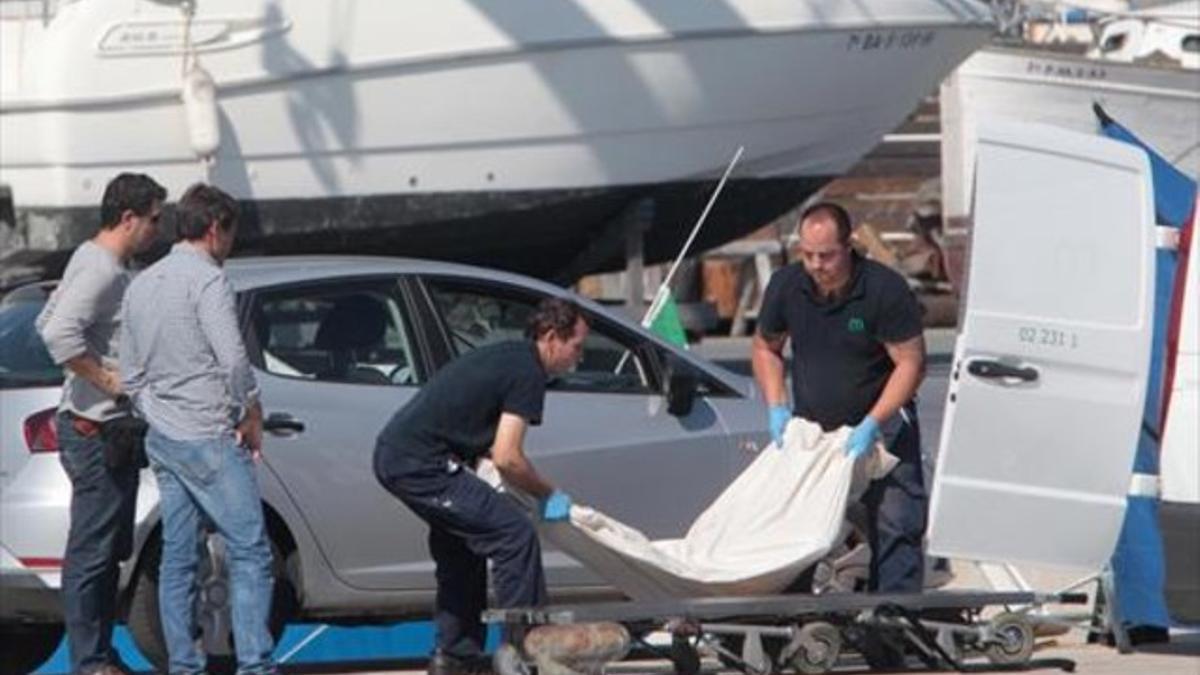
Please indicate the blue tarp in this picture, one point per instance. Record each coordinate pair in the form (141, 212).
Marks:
(1174, 191)
(1138, 561)
(402, 641)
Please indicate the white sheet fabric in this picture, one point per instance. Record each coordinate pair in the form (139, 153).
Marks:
(782, 514)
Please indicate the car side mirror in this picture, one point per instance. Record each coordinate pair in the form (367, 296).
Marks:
(681, 393)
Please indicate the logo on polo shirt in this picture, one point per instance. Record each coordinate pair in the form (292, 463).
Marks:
(856, 325)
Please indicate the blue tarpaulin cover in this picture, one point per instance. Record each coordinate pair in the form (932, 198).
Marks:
(1138, 562)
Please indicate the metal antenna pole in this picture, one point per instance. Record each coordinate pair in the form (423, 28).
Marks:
(663, 288)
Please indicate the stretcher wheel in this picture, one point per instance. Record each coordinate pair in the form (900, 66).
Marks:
(817, 648)
(684, 657)
(1012, 639)
(845, 569)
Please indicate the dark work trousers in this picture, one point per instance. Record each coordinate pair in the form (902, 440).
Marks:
(100, 536)
(470, 523)
(896, 510)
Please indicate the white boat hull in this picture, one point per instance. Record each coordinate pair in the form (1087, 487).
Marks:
(1161, 104)
(383, 100)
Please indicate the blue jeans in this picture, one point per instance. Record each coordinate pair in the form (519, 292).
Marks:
(211, 479)
(100, 536)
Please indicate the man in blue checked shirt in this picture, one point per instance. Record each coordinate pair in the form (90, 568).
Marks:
(185, 367)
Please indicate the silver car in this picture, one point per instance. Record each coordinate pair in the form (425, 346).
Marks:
(641, 429)
(30, 557)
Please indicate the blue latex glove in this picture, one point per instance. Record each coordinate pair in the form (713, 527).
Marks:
(862, 438)
(777, 422)
(556, 507)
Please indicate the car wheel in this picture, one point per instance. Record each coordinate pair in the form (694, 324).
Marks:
(27, 646)
(213, 610)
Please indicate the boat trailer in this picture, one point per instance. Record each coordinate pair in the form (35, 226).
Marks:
(767, 635)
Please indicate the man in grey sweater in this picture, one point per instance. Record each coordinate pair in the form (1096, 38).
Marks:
(79, 326)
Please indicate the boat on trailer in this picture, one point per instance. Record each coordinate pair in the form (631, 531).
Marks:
(1142, 67)
(523, 135)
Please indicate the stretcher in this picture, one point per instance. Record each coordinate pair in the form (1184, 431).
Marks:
(799, 633)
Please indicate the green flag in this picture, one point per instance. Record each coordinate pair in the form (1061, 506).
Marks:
(667, 324)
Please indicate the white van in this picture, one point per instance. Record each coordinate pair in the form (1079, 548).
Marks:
(1048, 381)
(1180, 463)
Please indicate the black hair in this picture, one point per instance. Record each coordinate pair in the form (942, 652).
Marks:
(199, 207)
(840, 216)
(553, 314)
(135, 192)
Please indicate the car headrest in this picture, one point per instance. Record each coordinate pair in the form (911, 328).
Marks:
(355, 321)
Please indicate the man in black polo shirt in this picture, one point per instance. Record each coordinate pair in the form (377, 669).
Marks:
(858, 356)
(479, 405)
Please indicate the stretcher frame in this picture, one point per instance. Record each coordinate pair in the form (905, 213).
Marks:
(805, 633)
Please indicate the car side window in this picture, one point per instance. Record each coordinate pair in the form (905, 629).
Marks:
(479, 317)
(477, 314)
(355, 333)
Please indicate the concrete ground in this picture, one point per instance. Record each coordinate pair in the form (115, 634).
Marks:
(1182, 657)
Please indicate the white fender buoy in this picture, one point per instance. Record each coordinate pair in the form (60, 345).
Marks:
(200, 109)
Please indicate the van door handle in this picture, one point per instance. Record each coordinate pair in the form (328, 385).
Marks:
(281, 424)
(995, 369)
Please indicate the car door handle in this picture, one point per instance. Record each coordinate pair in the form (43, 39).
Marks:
(282, 423)
(995, 369)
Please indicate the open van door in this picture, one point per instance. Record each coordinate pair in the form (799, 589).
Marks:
(1049, 375)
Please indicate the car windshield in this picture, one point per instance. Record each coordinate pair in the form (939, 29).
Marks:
(24, 361)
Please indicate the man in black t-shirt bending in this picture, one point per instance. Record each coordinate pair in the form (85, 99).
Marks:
(858, 356)
(479, 405)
